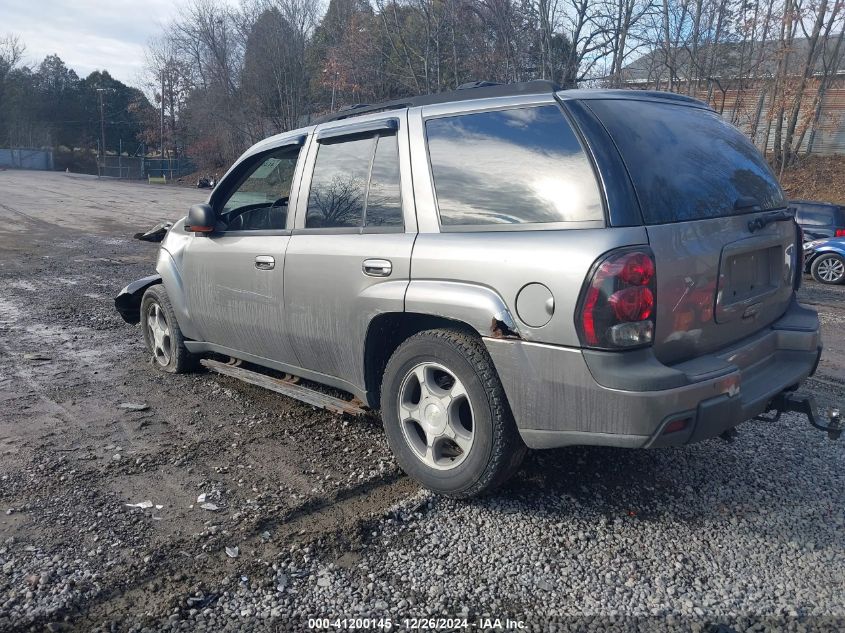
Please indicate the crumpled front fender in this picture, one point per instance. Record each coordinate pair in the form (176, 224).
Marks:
(128, 301)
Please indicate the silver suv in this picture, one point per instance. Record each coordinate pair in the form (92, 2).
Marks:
(498, 268)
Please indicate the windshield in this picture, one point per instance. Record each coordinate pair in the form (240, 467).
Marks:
(686, 163)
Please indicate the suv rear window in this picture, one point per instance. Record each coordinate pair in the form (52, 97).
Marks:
(686, 162)
(518, 166)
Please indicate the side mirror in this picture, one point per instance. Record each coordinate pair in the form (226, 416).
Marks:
(200, 219)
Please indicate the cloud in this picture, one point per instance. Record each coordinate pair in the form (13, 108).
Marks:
(88, 34)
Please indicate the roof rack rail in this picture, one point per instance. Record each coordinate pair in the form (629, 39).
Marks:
(464, 92)
(478, 84)
(354, 106)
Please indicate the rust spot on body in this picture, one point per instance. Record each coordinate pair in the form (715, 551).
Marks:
(500, 329)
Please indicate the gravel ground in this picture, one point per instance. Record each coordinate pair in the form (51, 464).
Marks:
(310, 516)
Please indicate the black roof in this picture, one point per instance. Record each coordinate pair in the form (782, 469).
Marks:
(485, 90)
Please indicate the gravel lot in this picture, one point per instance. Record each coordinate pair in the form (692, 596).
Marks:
(317, 519)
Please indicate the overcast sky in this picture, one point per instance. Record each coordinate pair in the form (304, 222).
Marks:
(88, 34)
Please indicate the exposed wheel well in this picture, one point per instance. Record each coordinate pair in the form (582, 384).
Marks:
(809, 263)
(387, 332)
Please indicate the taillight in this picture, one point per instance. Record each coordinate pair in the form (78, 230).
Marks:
(617, 304)
(839, 233)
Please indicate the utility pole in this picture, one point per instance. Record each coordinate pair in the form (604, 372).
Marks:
(162, 116)
(100, 91)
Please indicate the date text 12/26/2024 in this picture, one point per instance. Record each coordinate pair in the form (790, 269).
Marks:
(416, 624)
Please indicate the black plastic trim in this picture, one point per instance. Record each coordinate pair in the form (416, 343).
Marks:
(128, 301)
(623, 207)
(368, 128)
(256, 233)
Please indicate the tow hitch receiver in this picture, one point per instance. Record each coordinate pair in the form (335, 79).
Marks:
(787, 401)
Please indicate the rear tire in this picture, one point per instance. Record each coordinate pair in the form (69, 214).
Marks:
(446, 416)
(162, 334)
(828, 269)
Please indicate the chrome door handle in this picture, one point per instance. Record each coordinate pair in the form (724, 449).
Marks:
(265, 262)
(377, 267)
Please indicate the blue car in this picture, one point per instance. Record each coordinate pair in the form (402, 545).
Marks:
(825, 260)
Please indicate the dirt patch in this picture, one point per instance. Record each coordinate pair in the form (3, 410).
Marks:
(280, 474)
(816, 178)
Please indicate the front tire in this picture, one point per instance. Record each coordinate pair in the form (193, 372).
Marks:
(162, 334)
(828, 269)
(446, 416)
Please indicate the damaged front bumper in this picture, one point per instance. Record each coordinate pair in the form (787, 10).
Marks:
(128, 301)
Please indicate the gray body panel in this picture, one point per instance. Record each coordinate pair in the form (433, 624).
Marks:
(716, 358)
(696, 312)
(233, 302)
(506, 262)
(170, 266)
(329, 303)
(558, 401)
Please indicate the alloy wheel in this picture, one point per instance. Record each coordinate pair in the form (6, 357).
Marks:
(159, 331)
(831, 269)
(436, 416)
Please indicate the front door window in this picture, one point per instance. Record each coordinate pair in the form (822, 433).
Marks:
(260, 202)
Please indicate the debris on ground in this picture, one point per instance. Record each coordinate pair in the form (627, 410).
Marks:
(36, 356)
(143, 504)
(134, 406)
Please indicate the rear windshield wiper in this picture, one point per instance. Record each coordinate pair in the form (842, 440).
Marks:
(763, 221)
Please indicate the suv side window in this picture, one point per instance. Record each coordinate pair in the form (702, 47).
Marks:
(518, 166)
(339, 184)
(384, 199)
(260, 202)
(356, 184)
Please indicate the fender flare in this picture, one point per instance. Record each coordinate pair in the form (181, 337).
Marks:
(480, 307)
(128, 301)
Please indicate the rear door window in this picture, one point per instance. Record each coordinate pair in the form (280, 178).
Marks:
(517, 166)
(686, 163)
(356, 185)
(339, 184)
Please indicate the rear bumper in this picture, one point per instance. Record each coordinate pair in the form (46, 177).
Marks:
(565, 396)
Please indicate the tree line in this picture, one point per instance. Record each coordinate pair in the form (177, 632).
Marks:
(232, 76)
(224, 76)
(49, 105)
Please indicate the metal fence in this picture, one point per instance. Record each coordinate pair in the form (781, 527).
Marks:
(141, 167)
(25, 158)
